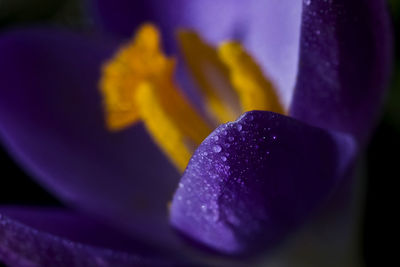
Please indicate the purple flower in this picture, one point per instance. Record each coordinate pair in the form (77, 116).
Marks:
(250, 183)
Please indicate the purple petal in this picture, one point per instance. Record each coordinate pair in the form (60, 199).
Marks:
(53, 237)
(252, 182)
(213, 19)
(51, 120)
(270, 30)
(273, 38)
(344, 65)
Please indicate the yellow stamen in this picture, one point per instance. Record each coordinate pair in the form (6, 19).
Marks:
(211, 75)
(137, 84)
(161, 125)
(254, 90)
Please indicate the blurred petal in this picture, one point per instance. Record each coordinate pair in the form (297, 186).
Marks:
(273, 38)
(56, 237)
(344, 65)
(270, 30)
(252, 182)
(51, 120)
(214, 19)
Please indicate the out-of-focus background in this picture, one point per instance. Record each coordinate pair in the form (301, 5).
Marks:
(379, 229)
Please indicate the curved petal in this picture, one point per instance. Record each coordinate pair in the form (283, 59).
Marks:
(51, 120)
(344, 65)
(53, 237)
(270, 30)
(252, 182)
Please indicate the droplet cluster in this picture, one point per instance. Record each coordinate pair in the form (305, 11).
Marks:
(220, 170)
(245, 176)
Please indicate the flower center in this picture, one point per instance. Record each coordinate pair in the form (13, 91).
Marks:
(138, 84)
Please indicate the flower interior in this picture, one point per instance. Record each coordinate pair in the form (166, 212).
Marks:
(138, 85)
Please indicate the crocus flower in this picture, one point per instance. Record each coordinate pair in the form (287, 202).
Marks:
(250, 184)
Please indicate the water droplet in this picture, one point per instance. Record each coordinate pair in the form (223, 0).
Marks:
(231, 138)
(181, 185)
(224, 132)
(227, 145)
(216, 138)
(204, 208)
(274, 137)
(250, 117)
(307, 2)
(239, 127)
(217, 148)
(223, 158)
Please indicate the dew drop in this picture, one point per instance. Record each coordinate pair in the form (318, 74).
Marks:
(307, 2)
(216, 138)
(217, 148)
(239, 127)
(223, 158)
(231, 138)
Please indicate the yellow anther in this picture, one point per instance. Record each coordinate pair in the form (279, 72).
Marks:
(161, 126)
(137, 84)
(254, 90)
(211, 75)
(192, 125)
(134, 62)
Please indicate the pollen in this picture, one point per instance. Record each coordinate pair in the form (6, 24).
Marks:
(137, 61)
(138, 85)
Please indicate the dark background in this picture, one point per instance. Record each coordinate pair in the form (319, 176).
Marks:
(379, 231)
